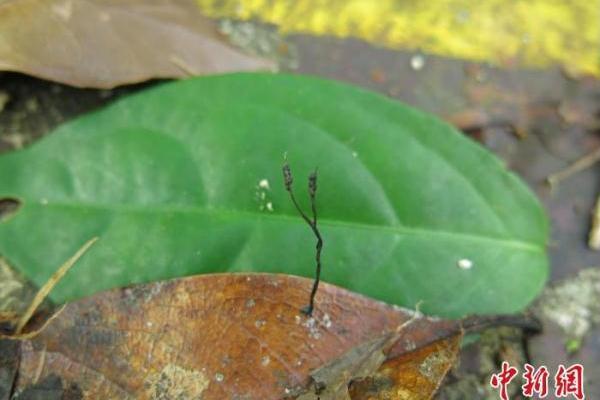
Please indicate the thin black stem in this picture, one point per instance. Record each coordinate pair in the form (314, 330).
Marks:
(304, 216)
(312, 188)
(313, 293)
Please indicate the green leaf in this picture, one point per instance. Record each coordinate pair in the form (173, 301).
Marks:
(170, 181)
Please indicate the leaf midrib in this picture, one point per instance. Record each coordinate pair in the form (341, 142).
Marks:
(401, 230)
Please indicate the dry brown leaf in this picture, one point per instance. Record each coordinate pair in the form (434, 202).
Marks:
(411, 376)
(105, 43)
(229, 336)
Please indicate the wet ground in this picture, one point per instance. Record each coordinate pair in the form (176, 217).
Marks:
(538, 121)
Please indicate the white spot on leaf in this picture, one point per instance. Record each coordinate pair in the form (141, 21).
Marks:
(313, 328)
(264, 184)
(465, 263)
(259, 323)
(326, 321)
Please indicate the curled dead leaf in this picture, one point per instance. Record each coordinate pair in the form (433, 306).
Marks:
(102, 44)
(237, 336)
(414, 375)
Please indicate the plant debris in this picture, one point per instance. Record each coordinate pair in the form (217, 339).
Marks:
(594, 236)
(579, 165)
(261, 40)
(16, 293)
(573, 305)
(41, 295)
(102, 44)
(198, 336)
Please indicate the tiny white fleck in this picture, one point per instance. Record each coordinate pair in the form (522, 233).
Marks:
(263, 184)
(465, 263)
(299, 362)
(417, 62)
(354, 154)
(298, 319)
(43, 201)
(270, 206)
(327, 320)
(287, 391)
(313, 329)
(265, 360)
(219, 377)
(259, 323)
(250, 303)
(149, 324)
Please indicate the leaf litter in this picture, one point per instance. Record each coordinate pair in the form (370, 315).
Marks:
(105, 44)
(371, 353)
(197, 337)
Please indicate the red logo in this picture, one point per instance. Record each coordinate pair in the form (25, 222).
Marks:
(503, 378)
(536, 381)
(567, 381)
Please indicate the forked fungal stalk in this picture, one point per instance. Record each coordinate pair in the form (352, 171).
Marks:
(288, 180)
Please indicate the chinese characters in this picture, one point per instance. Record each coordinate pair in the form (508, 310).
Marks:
(567, 381)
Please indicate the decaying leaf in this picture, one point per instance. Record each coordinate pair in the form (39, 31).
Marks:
(415, 375)
(95, 43)
(236, 336)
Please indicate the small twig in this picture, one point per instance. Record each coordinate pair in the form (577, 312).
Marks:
(40, 367)
(583, 163)
(33, 333)
(476, 324)
(49, 285)
(417, 314)
(594, 237)
(288, 180)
